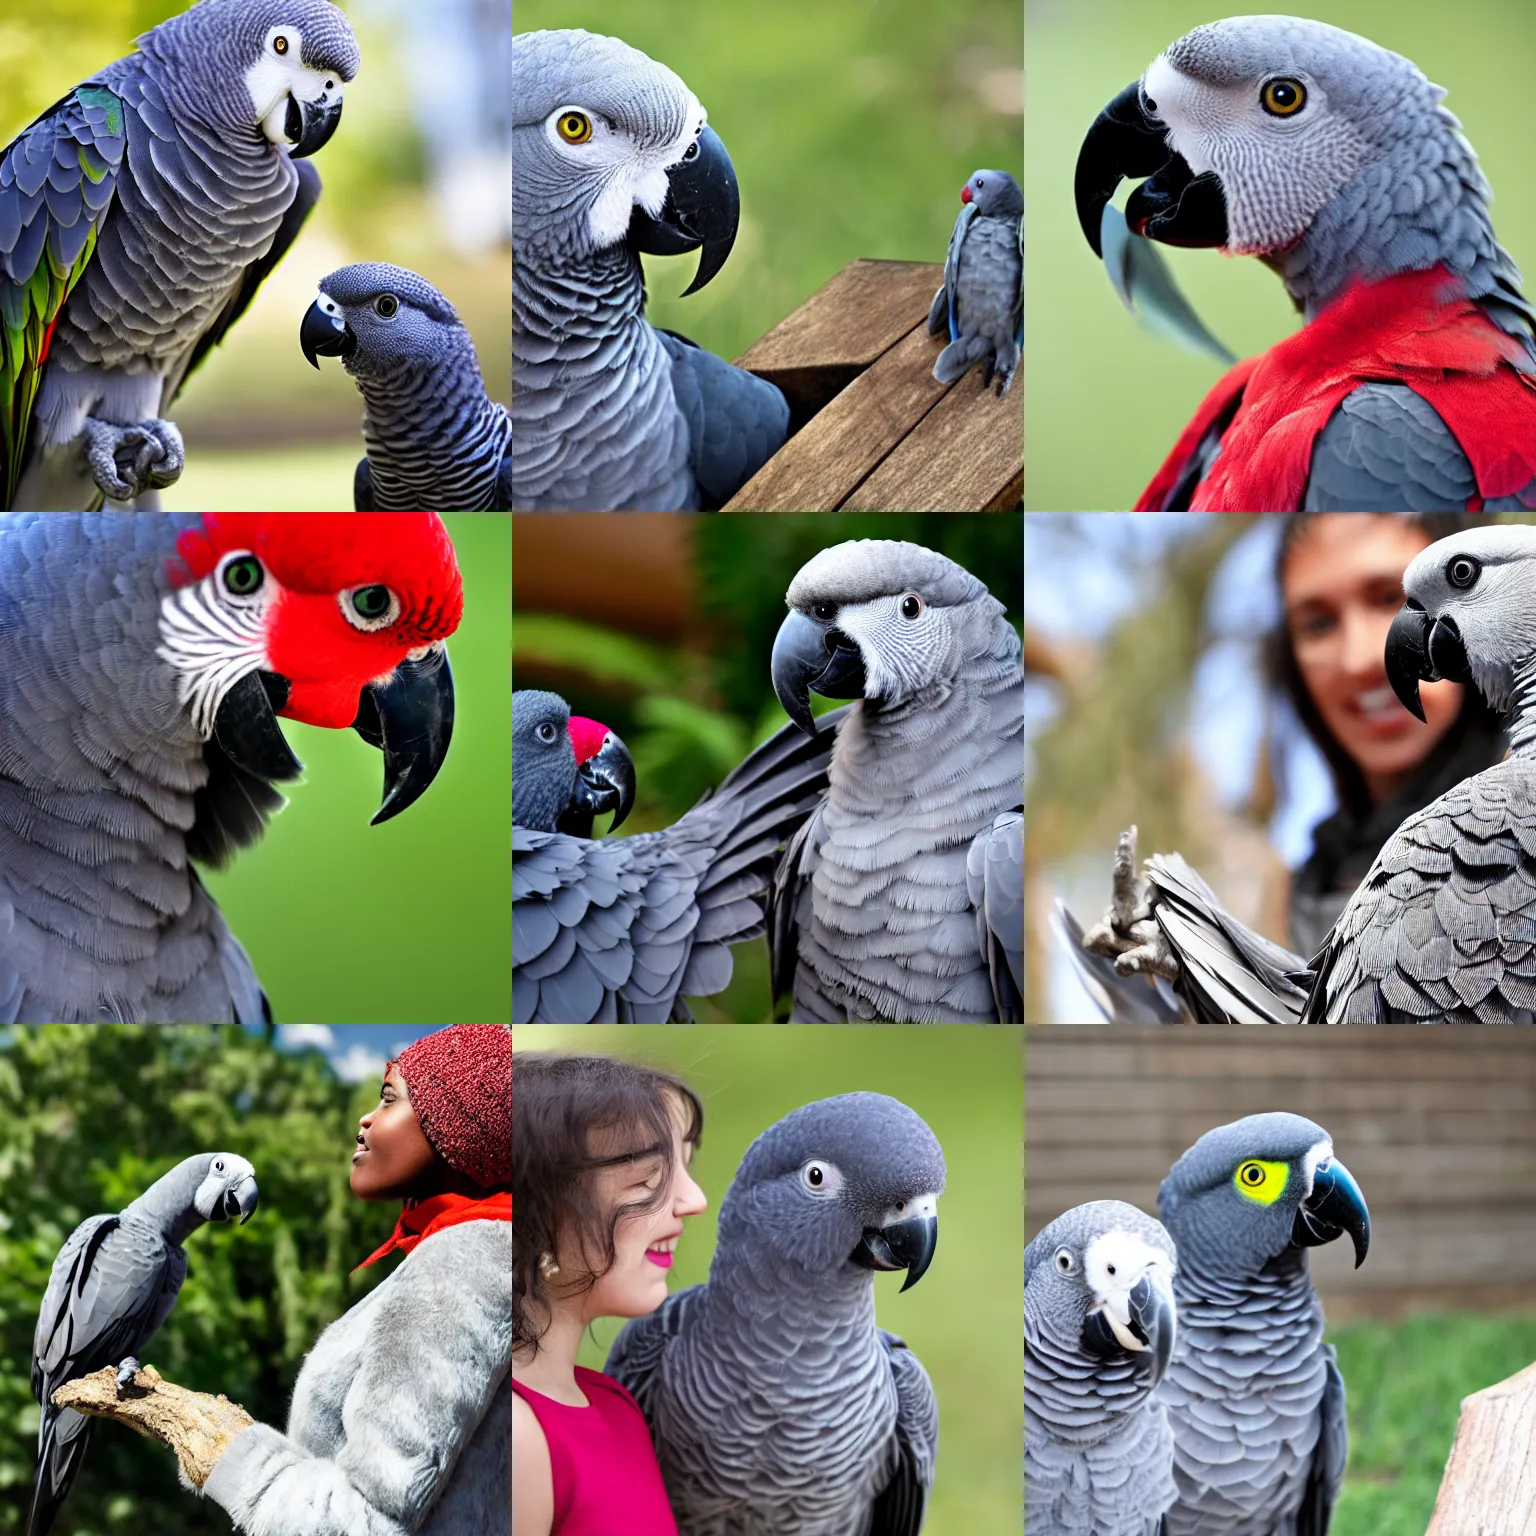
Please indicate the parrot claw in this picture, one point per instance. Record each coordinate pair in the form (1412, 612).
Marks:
(128, 461)
(1149, 955)
(127, 1369)
(1128, 933)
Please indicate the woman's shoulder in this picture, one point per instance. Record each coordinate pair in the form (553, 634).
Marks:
(595, 1385)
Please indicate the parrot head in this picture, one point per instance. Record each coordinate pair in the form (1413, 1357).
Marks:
(1470, 616)
(1248, 1192)
(994, 195)
(228, 1188)
(610, 148)
(566, 769)
(333, 619)
(1247, 132)
(849, 1181)
(291, 59)
(381, 320)
(883, 621)
(1100, 1279)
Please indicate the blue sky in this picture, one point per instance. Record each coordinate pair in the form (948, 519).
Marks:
(357, 1051)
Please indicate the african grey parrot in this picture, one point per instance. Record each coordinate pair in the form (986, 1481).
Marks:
(1099, 1328)
(145, 662)
(113, 1284)
(980, 304)
(1254, 1396)
(138, 217)
(611, 156)
(436, 442)
(1443, 927)
(1334, 161)
(902, 897)
(777, 1406)
(622, 929)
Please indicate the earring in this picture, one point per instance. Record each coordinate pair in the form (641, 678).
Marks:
(547, 1266)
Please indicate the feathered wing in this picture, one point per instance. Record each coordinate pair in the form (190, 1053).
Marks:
(635, 1357)
(994, 883)
(1326, 1474)
(57, 181)
(900, 1505)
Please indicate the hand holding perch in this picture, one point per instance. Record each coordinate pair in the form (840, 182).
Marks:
(197, 1426)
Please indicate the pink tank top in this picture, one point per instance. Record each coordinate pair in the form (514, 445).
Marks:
(603, 1464)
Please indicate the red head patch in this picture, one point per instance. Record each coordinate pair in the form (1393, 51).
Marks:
(586, 737)
(965, 193)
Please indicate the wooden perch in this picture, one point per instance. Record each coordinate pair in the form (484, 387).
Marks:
(199, 1428)
(1489, 1487)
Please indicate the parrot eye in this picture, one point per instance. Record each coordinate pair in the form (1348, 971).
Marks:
(279, 44)
(574, 127)
(545, 733)
(826, 612)
(218, 1165)
(243, 575)
(1065, 1261)
(386, 306)
(912, 606)
(1283, 98)
(1463, 572)
(821, 1178)
(370, 608)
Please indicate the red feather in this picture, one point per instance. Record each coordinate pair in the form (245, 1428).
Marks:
(587, 737)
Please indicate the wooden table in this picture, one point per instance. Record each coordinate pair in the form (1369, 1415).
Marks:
(873, 429)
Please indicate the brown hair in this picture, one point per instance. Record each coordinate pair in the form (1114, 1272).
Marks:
(558, 1103)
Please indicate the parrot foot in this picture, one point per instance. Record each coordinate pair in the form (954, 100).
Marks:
(1128, 933)
(127, 461)
(127, 1368)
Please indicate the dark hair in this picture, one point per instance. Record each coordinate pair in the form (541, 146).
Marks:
(559, 1102)
(1285, 674)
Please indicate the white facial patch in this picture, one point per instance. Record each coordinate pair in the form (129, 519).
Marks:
(631, 177)
(926, 1206)
(899, 654)
(1114, 1263)
(1315, 1155)
(280, 73)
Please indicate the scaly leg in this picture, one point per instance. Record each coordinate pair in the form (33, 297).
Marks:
(126, 461)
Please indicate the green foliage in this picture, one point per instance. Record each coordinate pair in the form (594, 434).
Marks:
(1406, 1383)
(90, 1115)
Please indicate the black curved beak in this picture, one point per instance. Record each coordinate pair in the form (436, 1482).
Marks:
(908, 1245)
(410, 719)
(1334, 1207)
(245, 727)
(813, 657)
(325, 335)
(1172, 204)
(309, 125)
(605, 782)
(1151, 1319)
(703, 208)
(241, 1201)
(1423, 650)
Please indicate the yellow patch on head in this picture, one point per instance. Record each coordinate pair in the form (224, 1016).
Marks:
(1262, 1182)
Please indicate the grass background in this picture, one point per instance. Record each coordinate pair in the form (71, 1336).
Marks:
(407, 922)
(965, 1320)
(1106, 400)
(852, 124)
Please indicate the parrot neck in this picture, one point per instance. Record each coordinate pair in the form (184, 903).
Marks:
(1057, 1376)
(748, 1280)
(1522, 713)
(167, 1204)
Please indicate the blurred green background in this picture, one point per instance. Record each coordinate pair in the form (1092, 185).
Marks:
(852, 124)
(1107, 400)
(408, 921)
(90, 1116)
(964, 1321)
(417, 175)
(662, 628)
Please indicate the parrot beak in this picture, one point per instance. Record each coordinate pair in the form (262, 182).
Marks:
(1334, 1207)
(703, 208)
(604, 782)
(246, 728)
(1139, 1321)
(241, 1200)
(324, 333)
(310, 125)
(1423, 650)
(1172, 205)
(410, 719)
(908, 1242)
(809, 657)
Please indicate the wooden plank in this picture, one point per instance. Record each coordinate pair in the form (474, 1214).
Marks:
(1489, 1487)
(966, 453)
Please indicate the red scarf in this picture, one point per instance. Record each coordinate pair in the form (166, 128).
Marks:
(421, 1218)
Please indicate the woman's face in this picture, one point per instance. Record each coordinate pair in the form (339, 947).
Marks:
(1342, 587)
(393, 1158)
(643, 1245)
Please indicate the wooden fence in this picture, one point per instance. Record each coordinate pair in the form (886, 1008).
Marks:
(1438, 1124)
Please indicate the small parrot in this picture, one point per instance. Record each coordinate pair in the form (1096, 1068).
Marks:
(980, 305)
(436, 442)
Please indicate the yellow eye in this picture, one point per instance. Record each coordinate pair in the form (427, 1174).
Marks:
(574, 127)
(1262, 1182)
(279, 44)
(1283, 98)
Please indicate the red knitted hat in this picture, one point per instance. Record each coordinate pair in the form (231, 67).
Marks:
(460, 1080)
